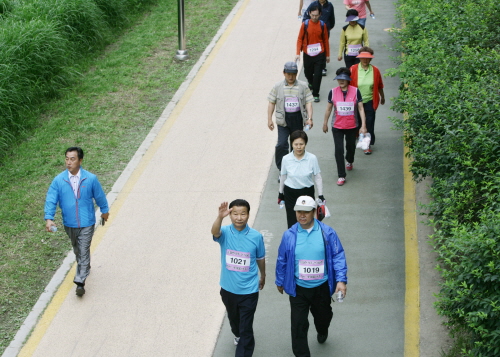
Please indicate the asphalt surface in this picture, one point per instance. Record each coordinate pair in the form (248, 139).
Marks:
(367, 213)
(153, 290)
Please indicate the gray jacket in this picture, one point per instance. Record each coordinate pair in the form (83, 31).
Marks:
(280, 101)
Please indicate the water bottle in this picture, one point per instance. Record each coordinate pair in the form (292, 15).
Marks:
(372, 16)
(53, 228)
(307, 127)
(282, 204)
(340, 297)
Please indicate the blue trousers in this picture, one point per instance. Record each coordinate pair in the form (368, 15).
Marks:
(240, 312)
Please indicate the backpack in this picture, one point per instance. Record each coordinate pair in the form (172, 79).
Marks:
(306, 23)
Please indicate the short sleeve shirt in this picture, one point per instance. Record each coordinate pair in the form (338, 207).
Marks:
(300, 172)
(359, 5)
(310, 255)
(240, 251)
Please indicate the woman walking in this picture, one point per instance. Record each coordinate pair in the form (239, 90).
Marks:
(299, 171)
(368, 80)
(348, 104)
(352, 38)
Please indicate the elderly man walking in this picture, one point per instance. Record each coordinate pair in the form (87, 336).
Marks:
(75, 190)
(292, 101)
(310, 268)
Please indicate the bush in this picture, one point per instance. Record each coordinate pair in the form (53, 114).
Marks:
(41, 44)
(450, 75)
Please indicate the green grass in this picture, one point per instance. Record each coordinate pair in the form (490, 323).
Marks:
(108, 113)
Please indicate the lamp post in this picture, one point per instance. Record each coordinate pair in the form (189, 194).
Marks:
(182, 54)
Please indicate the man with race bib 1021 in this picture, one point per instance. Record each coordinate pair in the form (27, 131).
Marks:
(242, 256)
(310, 268)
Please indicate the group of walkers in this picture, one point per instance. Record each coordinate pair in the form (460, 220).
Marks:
(311, 265)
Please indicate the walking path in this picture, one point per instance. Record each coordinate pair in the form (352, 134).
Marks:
(154, 290)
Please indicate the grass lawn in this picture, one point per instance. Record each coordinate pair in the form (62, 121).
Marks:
(108, 113)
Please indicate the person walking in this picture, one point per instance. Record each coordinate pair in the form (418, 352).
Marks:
(352, 37)
(75, 190)
(292, 101)
(299, 171)
(348, 104)
(303, 5)
(360, 6)
(311, 267)
(327, 16)
(368, 80)
(242, 256)
(313, 42)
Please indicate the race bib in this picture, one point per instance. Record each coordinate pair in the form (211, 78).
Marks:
(345, 108)
(292, 104)
(353, 50)
(237, 261)
(311, 269)
(314, 50)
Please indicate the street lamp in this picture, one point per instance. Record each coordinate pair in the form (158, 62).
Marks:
(182, 54)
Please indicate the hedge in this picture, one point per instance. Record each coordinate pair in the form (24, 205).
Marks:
(41, 45)
(450, 74)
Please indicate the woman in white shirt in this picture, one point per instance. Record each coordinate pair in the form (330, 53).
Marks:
(299, 172)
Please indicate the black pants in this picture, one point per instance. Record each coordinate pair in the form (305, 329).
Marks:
(312, 70)
(370, 119)
(318, 300)
(350, 147)
(294, 121)
(350, 61)
(240, 312)
(291, 195)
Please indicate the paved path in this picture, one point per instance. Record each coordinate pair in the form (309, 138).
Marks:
(154, 290)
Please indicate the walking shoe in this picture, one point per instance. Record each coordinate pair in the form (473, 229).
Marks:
(368, 151)
(348, 166)
(316, 99)
(236, 340)
(323, 72)
(341, 181)
(310, 86)
(322, 338)
(80, 290)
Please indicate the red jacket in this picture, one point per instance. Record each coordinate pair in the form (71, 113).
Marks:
(377, 83)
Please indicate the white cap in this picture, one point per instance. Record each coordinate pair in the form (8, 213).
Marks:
(305, 203)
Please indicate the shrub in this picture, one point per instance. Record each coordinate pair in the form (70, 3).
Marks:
(450, 75)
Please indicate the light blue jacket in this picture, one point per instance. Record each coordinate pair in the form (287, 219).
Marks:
(335, 259)
(77, 211)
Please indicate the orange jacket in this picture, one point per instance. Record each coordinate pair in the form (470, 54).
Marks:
(313, 36)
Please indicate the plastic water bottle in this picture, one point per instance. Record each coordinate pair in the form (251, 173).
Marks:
(282, 204)
(53, 228)
(300, 18)
(372, 16)
(307, 127)
(340, 297)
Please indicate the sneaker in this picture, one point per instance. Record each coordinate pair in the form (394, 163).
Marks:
(368, 151)
(323, 72)
(348, 166)
(236, 340)
(341, 181)
(316, 99)
(322, 338)
(310, 86)
(80, 290)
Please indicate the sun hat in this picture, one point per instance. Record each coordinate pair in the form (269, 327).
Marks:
(365, 55)
(351, 18)
(291, 67)
(305, 203)
(343, 76)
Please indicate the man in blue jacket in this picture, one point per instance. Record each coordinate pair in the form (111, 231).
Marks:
(75, 190)
(327, 16)
(310, 268)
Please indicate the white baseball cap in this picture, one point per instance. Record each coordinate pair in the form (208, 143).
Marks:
(305, 203)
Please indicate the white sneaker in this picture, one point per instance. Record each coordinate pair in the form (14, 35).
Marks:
(236, 340)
